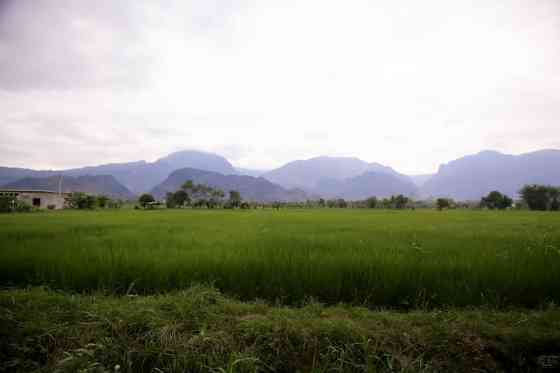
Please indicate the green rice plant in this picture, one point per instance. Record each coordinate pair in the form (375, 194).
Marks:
(404, 259)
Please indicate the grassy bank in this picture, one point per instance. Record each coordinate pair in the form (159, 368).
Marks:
(199, 330)
(362, 257)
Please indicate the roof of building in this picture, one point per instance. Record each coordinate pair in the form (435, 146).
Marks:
(29, 191)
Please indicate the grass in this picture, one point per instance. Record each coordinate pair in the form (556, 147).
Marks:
(401, 259)
(200, 330)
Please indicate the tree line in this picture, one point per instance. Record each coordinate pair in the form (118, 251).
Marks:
(532, 197)
(84, 201)
(197, 196)
(76, 200)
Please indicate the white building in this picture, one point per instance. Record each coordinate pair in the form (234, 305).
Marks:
(42, 199)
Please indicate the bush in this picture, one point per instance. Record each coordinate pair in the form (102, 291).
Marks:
(51, 207)
(82, 201)
(114, 204)
(541, 197)
(371, 202)
(145, 199)
(444, 203)
(6, 203)
(496, 200)
(21, 206)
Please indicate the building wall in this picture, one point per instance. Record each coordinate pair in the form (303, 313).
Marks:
(44, 199)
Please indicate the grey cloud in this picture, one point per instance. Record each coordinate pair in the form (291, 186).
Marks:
(64, 44)
(68, 44)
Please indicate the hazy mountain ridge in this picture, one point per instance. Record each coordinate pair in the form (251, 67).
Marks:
(466, 178)
(473, 176)
(251, 188)
(250, 171)
(420, 180)
(139, 176)
(309, 173)
(368, 184)
(99, 185)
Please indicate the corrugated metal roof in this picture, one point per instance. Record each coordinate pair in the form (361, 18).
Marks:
(29, 191)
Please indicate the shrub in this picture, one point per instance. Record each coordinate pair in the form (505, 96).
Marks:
(6, 203)
(79, 200)
(371, 202)
(443, 203)
(145, 199)
(496, 200)
(21, 206)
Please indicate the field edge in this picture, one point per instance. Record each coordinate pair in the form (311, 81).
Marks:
(201, 330)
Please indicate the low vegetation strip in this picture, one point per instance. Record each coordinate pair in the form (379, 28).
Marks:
(200, 330)
(401, 259)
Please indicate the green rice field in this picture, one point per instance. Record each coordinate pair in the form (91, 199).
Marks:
(374, 258)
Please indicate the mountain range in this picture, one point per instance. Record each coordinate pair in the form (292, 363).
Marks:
(251, 188)
(138, 177)
(100, 185)
(466, 178)
(470, 177)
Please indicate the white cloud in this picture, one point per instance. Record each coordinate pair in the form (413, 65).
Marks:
(409, 84)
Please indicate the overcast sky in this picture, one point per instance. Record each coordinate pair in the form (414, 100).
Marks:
(409, 83)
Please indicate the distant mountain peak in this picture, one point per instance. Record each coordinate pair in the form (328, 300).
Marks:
(98, 184)
(251, 188)
(473, 176)
(139, 176)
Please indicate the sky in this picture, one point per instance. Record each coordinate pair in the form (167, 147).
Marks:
(410, 84)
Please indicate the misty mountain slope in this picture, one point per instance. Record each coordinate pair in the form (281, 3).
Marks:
(308, 173)
(250, 172)
(99, 185)
(251, 188)
(196, 159)
(473, 176)
(420, 180)
(12, 174)
(138, 177)
(366, 185)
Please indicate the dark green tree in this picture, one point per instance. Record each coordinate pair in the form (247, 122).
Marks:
(341, 203)
(187, 185)
(82, 201)
(371, 202)
(496, 200)
(399, 202)
(145, 200)
(443, 203)
(234, 198)
(102, 201)
(7, 203)
(554, 194)
(537, 197)
(216, 198)
(181, 198)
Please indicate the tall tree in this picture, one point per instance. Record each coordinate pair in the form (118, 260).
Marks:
(537, 197)
(234, 198)
(145, 199)
(371, 202)
(496, 200)
(554, 194)
(443, 203)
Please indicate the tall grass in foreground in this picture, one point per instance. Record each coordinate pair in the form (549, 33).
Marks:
(385, 258)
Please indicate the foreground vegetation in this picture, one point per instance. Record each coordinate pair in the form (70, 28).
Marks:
(399, 259)
(199, 330)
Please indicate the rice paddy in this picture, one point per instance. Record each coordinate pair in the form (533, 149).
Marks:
(374, 258)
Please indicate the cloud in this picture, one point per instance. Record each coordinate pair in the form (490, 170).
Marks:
(410, 84)
(50, 45)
